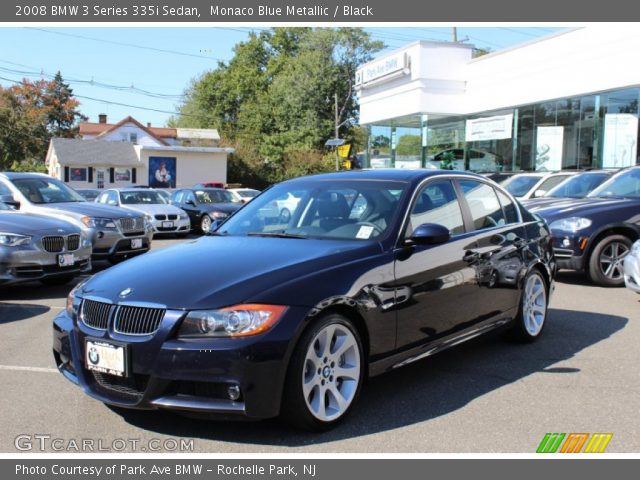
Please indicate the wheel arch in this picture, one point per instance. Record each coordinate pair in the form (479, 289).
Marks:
(628, 230)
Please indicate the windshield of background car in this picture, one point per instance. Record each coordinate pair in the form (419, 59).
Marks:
(214, 196)
(146, 197)
(351, 210)
(625, 184)
(46, 190)
(519, 186)
(577, 186)
(247, 193)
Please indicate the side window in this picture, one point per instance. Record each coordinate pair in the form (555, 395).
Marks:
(486, 211)
(102, 198)
(510, 209)
(189, 197)
(4, 190)
(177, 197)
(112, 198)
(437, 203)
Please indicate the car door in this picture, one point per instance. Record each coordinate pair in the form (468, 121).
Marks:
(190, 205)
(495, 250)
(437, 282)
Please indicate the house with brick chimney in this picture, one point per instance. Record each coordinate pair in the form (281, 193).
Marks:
(108, 155)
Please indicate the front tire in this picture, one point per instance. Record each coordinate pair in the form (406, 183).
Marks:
(205, 224)
(325, 375)
(532, 313)
(605, 263)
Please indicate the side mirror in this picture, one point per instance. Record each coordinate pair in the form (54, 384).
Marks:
(9, 200)
(430, 234)
(539, 193)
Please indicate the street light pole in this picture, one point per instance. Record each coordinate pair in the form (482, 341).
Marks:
(335, 98)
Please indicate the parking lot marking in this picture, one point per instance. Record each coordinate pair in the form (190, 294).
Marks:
(17, 368)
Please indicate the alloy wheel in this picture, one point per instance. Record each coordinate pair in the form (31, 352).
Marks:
(205, 224)
(331, 372)
(534, 308)
(611, 260)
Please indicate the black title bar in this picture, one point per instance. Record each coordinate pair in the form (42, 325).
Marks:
(309, 11)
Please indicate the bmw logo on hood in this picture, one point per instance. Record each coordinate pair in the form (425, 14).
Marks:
(126, 292)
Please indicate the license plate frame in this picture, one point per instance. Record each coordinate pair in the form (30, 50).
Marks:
(136, 243)
(66, 259)
(168, 224)
(108, 357)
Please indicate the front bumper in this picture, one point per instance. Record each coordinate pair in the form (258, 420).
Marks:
(187, 375)
(171, 226)
(569, 250)
(20, 264)
(632, 272)
(114, 244)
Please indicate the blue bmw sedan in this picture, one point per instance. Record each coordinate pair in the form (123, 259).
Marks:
(266, 316)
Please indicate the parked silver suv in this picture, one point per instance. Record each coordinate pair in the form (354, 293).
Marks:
(115, 233)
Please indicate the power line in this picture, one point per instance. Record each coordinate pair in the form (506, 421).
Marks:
(124, 44)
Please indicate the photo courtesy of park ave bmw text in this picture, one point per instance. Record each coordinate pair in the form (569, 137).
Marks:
(297, 239)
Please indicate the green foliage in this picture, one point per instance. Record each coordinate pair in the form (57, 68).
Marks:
(447, 161)
(274, 101)
(30, 114)
(409, 145)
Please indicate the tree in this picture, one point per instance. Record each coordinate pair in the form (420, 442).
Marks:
(274, 101)
(31, 112)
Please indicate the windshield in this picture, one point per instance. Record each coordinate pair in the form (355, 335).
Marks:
(146, 197)
(625, 184)
(577, 186)
(352, 210)
(46, 190)
(215, 196)
(247, 193)
(518, 186)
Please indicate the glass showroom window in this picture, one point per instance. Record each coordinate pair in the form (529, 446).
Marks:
(409, 147)
(380, 146)
(619, 128)
(445, 142)
(489, 141)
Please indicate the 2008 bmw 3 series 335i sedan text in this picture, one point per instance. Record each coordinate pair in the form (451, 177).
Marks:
(372, 270)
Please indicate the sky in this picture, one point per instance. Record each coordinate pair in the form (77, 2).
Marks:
(144, 71)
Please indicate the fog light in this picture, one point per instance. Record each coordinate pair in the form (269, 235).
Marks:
(234, 392)
(566, 243)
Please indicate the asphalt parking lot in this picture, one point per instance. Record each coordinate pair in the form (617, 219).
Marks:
(487, 396)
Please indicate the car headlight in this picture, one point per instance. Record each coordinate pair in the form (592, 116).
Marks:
(635, 249)
(184, 216)
(571, 224)
(236, 321)
(219, 215)
(14, 240)
(148, 221)
(73, 300)
(99, 222)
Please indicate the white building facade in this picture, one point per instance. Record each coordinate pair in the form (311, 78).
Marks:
(566, 101)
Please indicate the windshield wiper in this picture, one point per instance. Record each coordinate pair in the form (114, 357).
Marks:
(276, 235)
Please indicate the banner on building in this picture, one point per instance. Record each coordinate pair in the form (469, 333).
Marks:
(620, 140)
(499, 127)
(549, 144)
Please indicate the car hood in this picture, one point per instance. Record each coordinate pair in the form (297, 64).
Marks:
(214, 272)
(534, 204)
(220, 207)
(33, 224)
(155, 209)
(91, 209)
(617, 209)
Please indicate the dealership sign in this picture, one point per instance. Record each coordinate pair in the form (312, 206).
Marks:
(498, 127)
(383, 69)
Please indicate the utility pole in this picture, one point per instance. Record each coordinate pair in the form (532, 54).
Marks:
(337, 123)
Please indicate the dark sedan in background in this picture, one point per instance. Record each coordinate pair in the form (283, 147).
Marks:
(595, 233)
(35, 247)
(373, 270)
(204, 205)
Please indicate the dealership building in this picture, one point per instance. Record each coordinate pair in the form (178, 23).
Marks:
(562, 102)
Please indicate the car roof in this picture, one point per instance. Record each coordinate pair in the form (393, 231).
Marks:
(388, 174)
(16, 175)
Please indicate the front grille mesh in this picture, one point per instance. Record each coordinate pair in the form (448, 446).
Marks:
(73, 242)
(131, 224)
(129, 388)
(53, 244)
(138, 320)
(95, 314)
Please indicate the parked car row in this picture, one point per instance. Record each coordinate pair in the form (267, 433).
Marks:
(51, 233)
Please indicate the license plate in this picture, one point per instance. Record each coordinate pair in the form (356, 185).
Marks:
(136, 243)
(167, 224)
(105, 358)
(66, 259)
